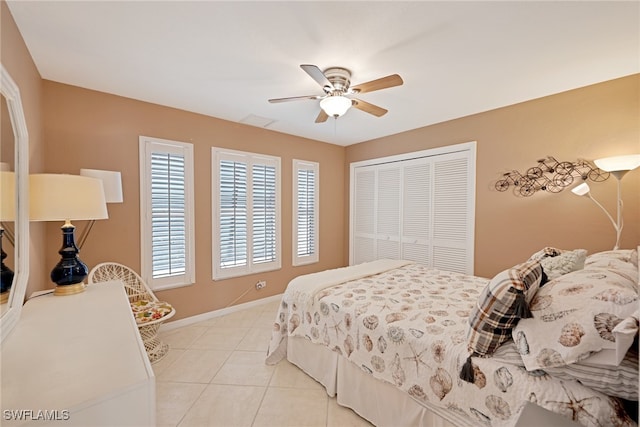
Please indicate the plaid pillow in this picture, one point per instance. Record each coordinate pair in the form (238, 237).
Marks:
(501, 304)
(545, 252)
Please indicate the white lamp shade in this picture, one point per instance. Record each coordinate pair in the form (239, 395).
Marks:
(581, 189)
(7, 196)
(111, 181)
(59, 197)
(618, 163)
(335, 106)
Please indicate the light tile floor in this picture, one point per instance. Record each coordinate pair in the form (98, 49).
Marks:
(215, 375)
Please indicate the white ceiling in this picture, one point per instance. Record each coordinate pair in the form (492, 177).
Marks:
(225, 59)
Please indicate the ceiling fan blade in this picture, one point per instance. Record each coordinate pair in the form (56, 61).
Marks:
(381, 83)
(369, 108)
(322, 117)
(295, 98)
(317, 75)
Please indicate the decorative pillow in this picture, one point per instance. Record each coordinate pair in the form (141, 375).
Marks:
(574, 317)
(147, 311)
(622, 261)
(624, 255)
(556, 262)
(624, 333)
(564, 263)
(502, 303)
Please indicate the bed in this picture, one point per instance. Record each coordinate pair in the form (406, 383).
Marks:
(403, 344)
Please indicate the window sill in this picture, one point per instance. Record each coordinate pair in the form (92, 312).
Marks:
(170, 286)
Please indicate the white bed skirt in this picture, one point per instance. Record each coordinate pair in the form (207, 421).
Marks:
(379, 402)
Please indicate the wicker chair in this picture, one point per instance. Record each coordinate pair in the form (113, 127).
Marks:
(148, 311)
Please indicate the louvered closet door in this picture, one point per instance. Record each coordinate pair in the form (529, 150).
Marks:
(378, 210)
(388, 211)
(418, 209)
(363, 234)
(452, 213)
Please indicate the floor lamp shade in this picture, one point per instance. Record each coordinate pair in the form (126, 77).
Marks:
(7, 213)
(619, 163)
(58, 197)
(618, 166)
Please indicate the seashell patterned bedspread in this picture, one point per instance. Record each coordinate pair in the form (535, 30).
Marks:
(407, 326)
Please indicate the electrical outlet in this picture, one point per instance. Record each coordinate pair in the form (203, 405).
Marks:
(261, 284)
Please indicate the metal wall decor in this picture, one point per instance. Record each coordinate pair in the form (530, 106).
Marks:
(549, 175)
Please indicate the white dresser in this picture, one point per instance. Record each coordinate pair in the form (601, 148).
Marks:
(77, 360)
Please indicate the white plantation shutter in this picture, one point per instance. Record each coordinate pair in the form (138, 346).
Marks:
(305, 212)
(418, 207)
(233, 209)
(166, 200)
(246, 213)
(264, 214)
(168, 224)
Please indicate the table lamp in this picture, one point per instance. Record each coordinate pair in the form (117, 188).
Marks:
(112, 184)
(7, 213)
(59, 197)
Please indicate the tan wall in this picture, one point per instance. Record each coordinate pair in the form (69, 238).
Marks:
(88, 129)
(18, 62)
(592, 122)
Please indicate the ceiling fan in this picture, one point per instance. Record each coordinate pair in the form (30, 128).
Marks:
(336, 83)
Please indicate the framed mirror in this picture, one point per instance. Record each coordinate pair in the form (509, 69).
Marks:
(18, 141)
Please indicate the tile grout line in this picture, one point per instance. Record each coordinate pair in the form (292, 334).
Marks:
(191, 406)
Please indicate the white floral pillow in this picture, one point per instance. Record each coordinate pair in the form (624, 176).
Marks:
(574, 317)
(624, 255)
(622, 261)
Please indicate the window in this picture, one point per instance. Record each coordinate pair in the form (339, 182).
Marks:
(246, 213)
(166, 206)
(305, 212)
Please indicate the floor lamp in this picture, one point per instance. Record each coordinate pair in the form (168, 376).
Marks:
(618, 166)
(58, 197)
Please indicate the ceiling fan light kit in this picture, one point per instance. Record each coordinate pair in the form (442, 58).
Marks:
(335, 106)
(336, 84)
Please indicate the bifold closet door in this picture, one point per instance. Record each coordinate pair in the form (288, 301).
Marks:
(417, 209)
(453, 203)
(417, 193)
(363, 215)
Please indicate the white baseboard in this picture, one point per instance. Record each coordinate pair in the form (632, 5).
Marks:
(217, 313)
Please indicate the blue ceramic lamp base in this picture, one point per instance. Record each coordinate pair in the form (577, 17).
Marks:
(69, 273)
